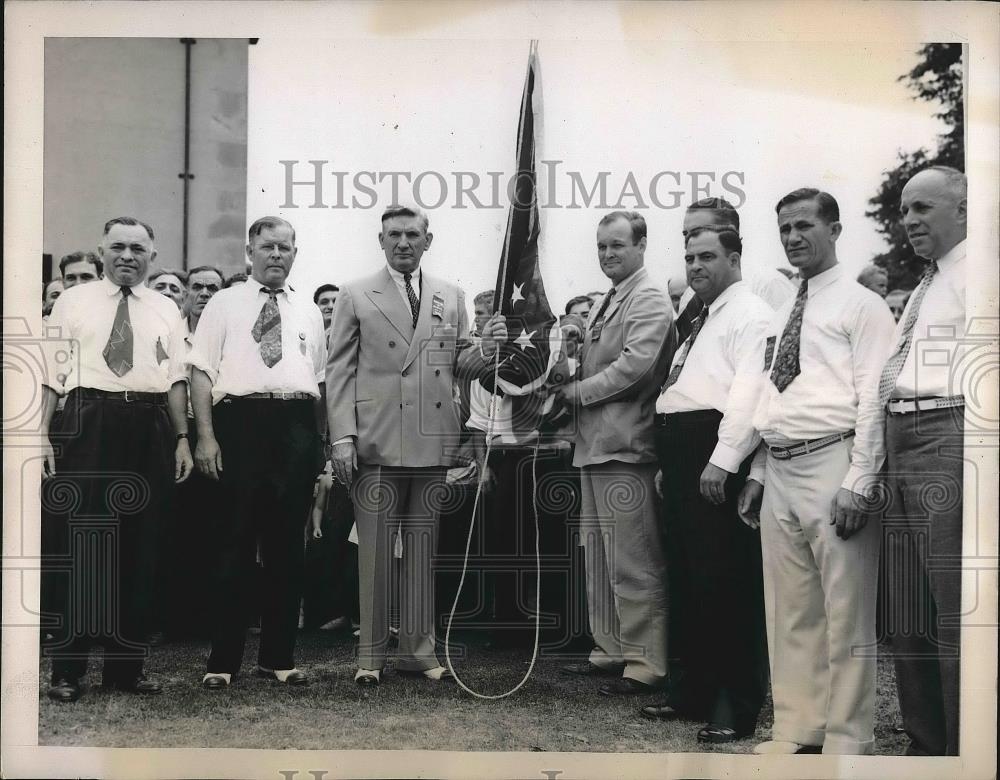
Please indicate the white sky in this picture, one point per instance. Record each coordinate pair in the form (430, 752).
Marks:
(786, 115)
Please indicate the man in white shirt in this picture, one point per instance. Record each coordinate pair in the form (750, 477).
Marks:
(257, 390)
(115, 439)
(822, 356)
(705, 440)
(922, 393)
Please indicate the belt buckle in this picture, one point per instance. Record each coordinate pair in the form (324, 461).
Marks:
(781, 453)
(284, 396)
(127, 399)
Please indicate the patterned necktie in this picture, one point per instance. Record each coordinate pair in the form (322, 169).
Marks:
(675, 372)
(894, 365)
(599, 317)
(414, 302)
(118, 351)
(786, 364)
(685, 320)
(267, 330)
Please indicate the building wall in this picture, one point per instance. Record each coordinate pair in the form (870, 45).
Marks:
(114, 144)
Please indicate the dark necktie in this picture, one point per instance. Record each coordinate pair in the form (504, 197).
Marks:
(118, 351)
(267, 329)
(414, 301)
(675, 372)
(894, 366)
(786, 364)
(685, 320)
(598, 320)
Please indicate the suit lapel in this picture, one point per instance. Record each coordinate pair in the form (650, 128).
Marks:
(425, 322)
(386, 298)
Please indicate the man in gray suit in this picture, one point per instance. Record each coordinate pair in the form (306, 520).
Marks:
(394, 339)
(626, 350)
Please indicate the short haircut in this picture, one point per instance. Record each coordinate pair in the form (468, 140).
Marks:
(322, 289)
(202, 269)
(577, 299)
(128, 221)
(728, 237)
(635, 220)
(81, 256)
(181, 276)
(957, 181)
(870, 271)
(49, 283)
(395, 210)
(723, 212)
(270, 223)
(826, 205)
(486, 296)
(239, 276)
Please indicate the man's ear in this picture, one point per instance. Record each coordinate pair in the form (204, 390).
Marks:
(962, 210)
(642, 244)
(152, 256)
(835, 230)
(381, 240)
(427, 243)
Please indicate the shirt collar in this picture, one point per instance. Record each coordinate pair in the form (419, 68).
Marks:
(953, 255)
(140, 290)
(630, 281)
(397, 277)
(724, 297)
(829, 276)
(256, 287)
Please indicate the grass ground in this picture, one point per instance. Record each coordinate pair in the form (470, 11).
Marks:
(552, 712)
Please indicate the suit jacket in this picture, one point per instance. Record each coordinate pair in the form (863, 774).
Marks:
(622, 373)
(389, 384)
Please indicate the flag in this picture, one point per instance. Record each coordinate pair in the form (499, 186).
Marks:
(532, 355)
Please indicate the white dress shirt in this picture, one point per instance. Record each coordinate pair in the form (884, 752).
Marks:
(769, 285)
(78, 331)
(846, 332)
(722, 371)
(938, 334)
(400, 283)
(225, 350)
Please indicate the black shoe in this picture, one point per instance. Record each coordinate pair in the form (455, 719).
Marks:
(63, 690)
(715, 734)
(625, 686)
(588, 669)
(660, 711)
(139, 684)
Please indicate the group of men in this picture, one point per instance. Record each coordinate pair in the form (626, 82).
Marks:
(761, 414)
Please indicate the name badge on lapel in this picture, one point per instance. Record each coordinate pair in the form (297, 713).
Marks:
(302, 343)
(769, 352)
(437, 307)
(595, 331)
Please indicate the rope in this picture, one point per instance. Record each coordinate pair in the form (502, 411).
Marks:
(468, 543)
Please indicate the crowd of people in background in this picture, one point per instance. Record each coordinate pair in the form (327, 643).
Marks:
(722, 443)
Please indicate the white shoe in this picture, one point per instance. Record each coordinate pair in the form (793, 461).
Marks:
(780, 748)
(368, 677)
(438, 673)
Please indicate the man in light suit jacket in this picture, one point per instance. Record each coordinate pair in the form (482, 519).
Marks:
(394, 427)
(626, 351)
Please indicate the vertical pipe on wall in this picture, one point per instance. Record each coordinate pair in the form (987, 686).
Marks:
(186, 175)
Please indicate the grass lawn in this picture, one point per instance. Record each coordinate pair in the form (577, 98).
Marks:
(552, 712)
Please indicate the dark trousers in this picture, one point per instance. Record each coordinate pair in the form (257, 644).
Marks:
(270, 457)
(923, 541)
(717, 559)
(331, 586)
(113, 466)
(530, 485)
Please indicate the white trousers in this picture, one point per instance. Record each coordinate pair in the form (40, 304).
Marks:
(819, 594)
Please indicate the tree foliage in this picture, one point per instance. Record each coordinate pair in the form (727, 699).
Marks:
(936, 78)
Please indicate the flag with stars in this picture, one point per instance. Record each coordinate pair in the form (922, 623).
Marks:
(532, 356)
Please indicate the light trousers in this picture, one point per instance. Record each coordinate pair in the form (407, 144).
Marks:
(819, 596)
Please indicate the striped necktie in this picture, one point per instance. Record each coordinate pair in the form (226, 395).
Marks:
(685, 320)
(786, 364)
(894, 365)
(267, 329)
(675, 372)
(412, 296)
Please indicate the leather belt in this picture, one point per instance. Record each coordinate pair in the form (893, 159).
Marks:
(910, 405)
(794, 450)
(127, 396)
(296, 396)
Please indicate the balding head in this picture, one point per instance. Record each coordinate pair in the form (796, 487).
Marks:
(934, 208)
